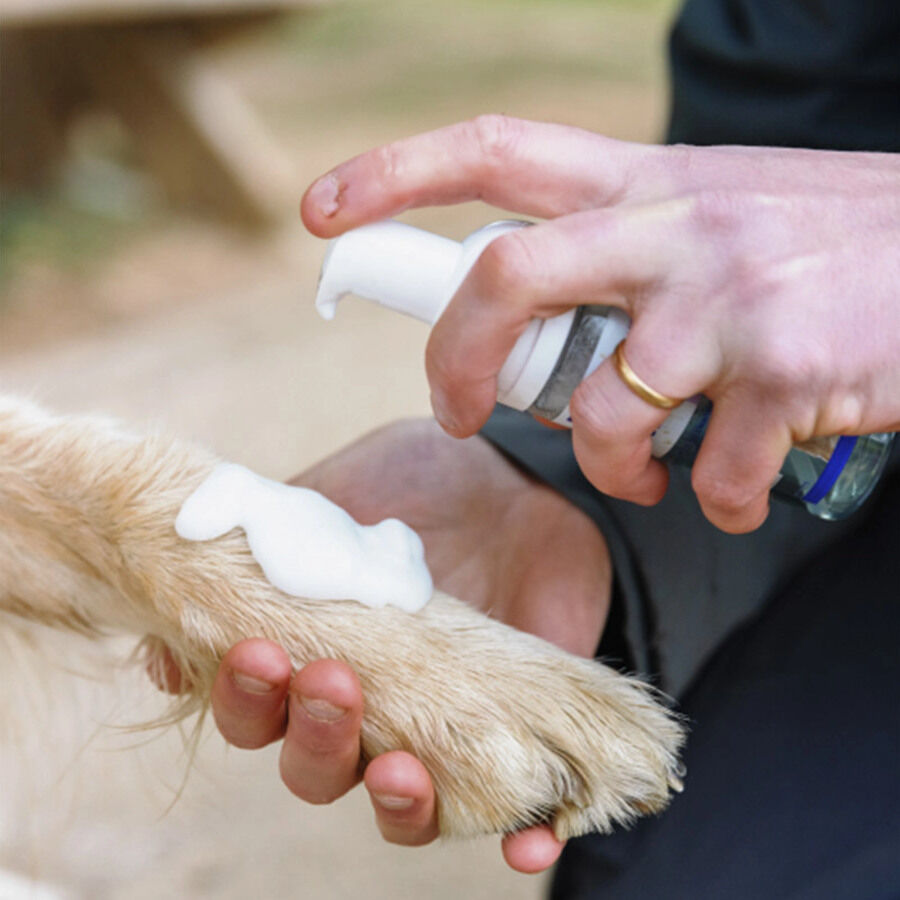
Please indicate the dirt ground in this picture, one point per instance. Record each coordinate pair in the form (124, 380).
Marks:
(125, 306)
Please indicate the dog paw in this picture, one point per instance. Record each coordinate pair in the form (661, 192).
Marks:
(515, 731)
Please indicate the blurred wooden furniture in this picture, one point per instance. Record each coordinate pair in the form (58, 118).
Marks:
(144, 60)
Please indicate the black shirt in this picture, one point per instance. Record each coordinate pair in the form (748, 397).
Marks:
(822, 74)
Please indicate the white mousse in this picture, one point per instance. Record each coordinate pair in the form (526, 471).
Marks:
(308, 546)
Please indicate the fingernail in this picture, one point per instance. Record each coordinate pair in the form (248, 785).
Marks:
(322, 710)
(250, 684)
(393, 803)
(325, 195)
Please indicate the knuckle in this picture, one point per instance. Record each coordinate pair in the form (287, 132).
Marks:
(753, 288)
(845, 415)
(716, 212)
(680, 162)
(773, 357)
(788, 367)
(391, 161)
(506, 266)
(727, 496)
(496, 137)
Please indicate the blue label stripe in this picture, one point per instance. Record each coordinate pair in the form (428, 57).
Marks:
(832, 470)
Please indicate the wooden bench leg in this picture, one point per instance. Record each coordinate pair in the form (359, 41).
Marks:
(192, 128)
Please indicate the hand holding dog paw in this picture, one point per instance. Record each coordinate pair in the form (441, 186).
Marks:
(493, 537)
(318, 713)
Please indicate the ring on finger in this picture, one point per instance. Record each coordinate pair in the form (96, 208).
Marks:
(638, 386)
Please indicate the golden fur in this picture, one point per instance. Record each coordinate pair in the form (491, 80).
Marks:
(512, 729)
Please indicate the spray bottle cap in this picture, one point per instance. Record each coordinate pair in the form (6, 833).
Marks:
(417, 273)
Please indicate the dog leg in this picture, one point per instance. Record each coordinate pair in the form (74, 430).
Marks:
(512, 729)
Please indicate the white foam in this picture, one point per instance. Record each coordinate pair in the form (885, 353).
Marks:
(308, 546)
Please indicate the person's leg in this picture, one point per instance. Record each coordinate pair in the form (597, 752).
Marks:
(793, 782)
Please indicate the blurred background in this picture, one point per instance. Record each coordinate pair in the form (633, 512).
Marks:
(153, 266)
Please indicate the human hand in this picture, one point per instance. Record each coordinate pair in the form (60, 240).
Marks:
(492, 536)
(763, 278)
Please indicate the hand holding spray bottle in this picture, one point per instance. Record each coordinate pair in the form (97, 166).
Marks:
(417, 273)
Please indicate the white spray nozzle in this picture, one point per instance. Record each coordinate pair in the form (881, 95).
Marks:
(417, 273)
(401, 267)
(396, 265)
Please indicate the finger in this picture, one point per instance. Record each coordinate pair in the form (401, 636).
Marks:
(617, 257)
(248, 695)
(533, 168)
(403, 799)
(669, 351)
(532, 850)
(742, 452)
(611, 438)
(548, 170)
(320, 757)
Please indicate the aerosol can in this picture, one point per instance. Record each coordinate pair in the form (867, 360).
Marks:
(416, 273)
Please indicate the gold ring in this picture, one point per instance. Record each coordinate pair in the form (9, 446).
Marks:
(639, 387)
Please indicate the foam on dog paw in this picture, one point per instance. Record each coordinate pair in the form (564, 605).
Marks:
(308, 546)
